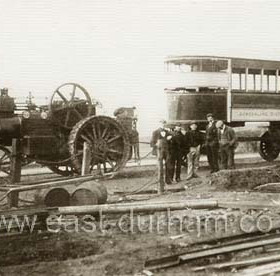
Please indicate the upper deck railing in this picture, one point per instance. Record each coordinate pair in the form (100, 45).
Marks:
(246, 75)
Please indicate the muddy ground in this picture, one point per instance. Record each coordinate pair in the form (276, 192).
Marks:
(111, 248)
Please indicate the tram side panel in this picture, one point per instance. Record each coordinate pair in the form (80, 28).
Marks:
(255, 107)
(183, 107)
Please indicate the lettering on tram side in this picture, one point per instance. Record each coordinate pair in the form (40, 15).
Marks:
(255, 114)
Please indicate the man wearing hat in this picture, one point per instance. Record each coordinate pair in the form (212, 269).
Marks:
(176, 153)
(228, 142)
(212, 143)
(161, 144)
(195, 139)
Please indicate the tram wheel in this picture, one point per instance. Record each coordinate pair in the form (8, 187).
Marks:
(269, 150)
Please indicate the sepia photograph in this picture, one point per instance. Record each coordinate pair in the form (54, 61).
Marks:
(139, 137)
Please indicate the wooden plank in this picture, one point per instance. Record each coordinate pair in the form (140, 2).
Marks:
(12, 199)
(227, 249)
(15, 172)
(246, 205)
(267, 269)
(126, 208)
(238, 264)
(86, 159)
(15, 161)
(269, 187)
(71, 181)
(168, 261)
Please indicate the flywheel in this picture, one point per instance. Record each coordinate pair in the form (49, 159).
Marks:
(108, 142)
(69, 104)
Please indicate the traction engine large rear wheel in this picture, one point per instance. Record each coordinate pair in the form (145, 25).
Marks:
(107, 140)
(269, 149)
(5, 160)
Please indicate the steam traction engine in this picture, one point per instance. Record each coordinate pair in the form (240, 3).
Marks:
(55, 135)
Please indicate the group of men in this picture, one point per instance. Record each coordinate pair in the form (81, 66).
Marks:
(171, 145)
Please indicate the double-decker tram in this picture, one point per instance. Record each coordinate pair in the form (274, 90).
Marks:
(235, 90)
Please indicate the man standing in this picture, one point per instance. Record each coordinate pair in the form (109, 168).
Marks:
(161, 140)
(185, 144)
(176, 154)
(212, 144)
(227, 141)
(195, 139)
(134, 140)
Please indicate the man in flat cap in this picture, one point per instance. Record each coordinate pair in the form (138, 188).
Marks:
(212, 143)
(195, 139)
(161, 143)
(228, 142)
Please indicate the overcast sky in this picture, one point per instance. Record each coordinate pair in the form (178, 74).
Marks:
(116, 48)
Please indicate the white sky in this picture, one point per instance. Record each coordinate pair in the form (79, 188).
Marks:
(116, 48)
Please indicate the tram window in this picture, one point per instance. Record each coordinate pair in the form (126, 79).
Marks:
(178, 68)
(208, 65)
(185, 68)
(250, 83)
(238, 82)
(269, 82)
(258, 83)
(253, 82)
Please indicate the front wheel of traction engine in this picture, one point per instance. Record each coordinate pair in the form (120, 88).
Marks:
(108, 143)
(269, 146)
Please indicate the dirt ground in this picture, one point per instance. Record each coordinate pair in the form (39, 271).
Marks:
(111, 249)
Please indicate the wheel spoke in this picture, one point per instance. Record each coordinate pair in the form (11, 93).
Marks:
(104, 132)
(73, 93)
(115, 151)
(89, 135)
(98, 129)
(114, 139)
(78, 113)
(104, 167)
(94, 131)
(67, 117)
(3, 156)
(61, 96)
(86, 138)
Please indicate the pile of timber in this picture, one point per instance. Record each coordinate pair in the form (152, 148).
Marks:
(247, 178)
(261, 264)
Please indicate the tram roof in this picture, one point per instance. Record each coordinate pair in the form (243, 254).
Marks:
(237, 64)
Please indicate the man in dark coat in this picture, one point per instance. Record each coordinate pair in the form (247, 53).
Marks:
(176, 154)
(212, 144)
(161, 143)
(227, 141)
